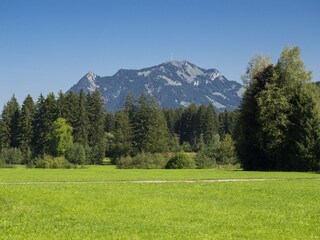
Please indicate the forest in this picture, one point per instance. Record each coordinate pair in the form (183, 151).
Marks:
(275, 128)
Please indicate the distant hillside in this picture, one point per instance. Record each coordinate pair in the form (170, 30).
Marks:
(173, 84)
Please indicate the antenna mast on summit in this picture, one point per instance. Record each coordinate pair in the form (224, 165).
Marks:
(171, 57)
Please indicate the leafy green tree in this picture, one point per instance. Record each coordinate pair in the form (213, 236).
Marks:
(76, 154)
(227, 151)
(60, 137)
(279, 118)
(10, 156)
(250, 154)
(181, 160)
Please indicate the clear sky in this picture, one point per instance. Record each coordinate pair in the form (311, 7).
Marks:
(48, 45)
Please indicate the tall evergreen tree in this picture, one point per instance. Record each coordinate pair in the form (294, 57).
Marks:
(62, 105)
(96, 134)
(170, 119)
(201, 121)
(227, 122)
(122, 134)
(39, 136)
(211, 125)
(157, 137)
(9, 124)
(25, 126)
(140, 122)
(188, 124)
(50, 115)
(80, 128)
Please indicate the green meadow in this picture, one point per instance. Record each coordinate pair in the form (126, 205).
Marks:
(106, 206)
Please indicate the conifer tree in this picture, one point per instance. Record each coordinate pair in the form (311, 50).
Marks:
(39, 137)
(50, 114)
(25, 125)
(157, 137)
(96, 134)
(188, 124)
(122, 134)
(201, 121)
(170, 119)
(141, 122)
(80, 129)
(62, 105)
(9, 124)
(211, 125)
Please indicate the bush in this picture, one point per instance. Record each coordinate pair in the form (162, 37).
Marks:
(50, 162)
(145, 161)
(9, 156)
(186, 147)
(95, 155)
(227, 151)
(206, 158)
(76, 154)
(180, 160)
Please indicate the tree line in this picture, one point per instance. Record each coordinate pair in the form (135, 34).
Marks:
(78, 128)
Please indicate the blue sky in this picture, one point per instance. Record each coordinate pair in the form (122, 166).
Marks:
(48, 45)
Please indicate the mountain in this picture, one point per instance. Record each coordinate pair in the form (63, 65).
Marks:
(173, 84)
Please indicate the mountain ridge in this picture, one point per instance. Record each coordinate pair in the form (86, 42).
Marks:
(173, 84)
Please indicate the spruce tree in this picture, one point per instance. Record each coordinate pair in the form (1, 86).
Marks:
(50, 115)
(188, 125)
(80, 129)
(39, 136)
(9, 124)
(211, 125)
(25, 125)
(201, 121)
(96, 134)
(157, 137)
(141, 122)
(122, 134)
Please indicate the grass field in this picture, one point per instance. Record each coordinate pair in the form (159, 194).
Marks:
(286, 209)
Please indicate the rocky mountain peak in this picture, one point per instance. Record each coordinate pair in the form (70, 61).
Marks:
(173, 84)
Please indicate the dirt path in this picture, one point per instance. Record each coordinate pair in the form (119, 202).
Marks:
(160, 181)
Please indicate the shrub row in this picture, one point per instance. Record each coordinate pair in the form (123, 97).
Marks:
(157, 160)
